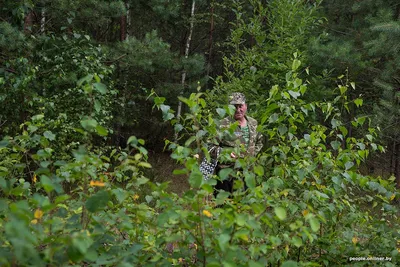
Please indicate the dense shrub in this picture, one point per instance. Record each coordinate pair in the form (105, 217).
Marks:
(306, 204)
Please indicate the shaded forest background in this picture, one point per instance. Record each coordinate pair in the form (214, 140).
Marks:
(105, 102)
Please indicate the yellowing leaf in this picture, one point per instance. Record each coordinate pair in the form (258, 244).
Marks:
(34, 179)
(34, 221)
(392, 197)
(136, 197)
(97, 183)
(38, 214)
(354, 240)
(305, 212)
(207, 213)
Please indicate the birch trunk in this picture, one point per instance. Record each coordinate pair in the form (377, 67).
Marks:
(188, 40)
(43, 20)
(128, 20)
(210, 41)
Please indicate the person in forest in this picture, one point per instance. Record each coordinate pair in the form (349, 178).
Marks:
(245, 136)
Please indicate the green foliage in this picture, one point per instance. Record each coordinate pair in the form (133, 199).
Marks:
(67, 199)
(69, 82)
(316, 208)
(10, 38)
(306, 202)
(361, 39)
(263, 41)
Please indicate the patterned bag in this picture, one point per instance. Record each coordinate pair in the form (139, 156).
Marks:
(207, 168)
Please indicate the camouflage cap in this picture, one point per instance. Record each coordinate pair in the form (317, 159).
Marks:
(237, 98)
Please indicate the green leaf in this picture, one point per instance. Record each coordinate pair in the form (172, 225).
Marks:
(179, 171)
(144, 165)
(87, 78)
(89, 124)
(97, 105)
(296, 64)
(224, 173)
(4, 143)
(335, 123)
(98, 201)
(282, 129)
(132, 140)
(223, 240)
(358, 102)
(348, 165)
(82, 242)
(294, 94)
(254, 264)
(280, 213)
(250, 180)
(37, 117)
(165, 111)
(101, 130)
(221, 112)
(46, 183)
(164, 108)
(342, 89)
(178, 127)
(159, 100)
(49, 135)
(120, 194)
(297, 241)
(141, 181)
(101, 88)
(195, 178)
(335, 145)
(315, 224)
(259, 170)
(289, 264)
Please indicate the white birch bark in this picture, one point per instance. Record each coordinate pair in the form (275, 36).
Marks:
(128, 20)
(43, 20)
(188, 40)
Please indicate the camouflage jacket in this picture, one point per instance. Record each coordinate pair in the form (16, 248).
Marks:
(255, 138)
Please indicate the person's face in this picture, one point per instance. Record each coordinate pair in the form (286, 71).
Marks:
(240, 111)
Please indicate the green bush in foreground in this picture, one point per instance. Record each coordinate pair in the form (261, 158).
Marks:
(306, 205)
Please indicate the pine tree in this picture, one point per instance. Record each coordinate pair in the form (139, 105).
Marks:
(361, 39)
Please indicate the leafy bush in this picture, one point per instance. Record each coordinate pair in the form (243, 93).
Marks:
(306, 203)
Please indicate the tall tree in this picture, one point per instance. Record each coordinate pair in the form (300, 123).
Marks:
(186, 55)
(360, 39)
(265, 39)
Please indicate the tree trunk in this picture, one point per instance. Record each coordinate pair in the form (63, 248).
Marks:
(28, 22)
(128, 20)
(392, 158)
(123, 20)
(397, 165)
(42, 20)
(210, 41)
(178, 113)
(122, 35)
